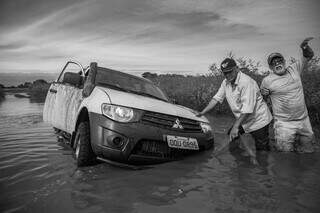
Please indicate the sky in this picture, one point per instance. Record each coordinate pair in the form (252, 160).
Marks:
(162, 36)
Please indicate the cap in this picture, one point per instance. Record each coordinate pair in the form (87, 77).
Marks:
(272, 56)
(227, 65)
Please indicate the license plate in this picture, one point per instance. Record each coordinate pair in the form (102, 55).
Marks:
(182, 142)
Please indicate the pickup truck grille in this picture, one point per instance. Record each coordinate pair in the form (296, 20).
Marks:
(170, 122)
(159, 149)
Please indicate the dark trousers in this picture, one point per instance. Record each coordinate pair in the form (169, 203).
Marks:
(261, 137)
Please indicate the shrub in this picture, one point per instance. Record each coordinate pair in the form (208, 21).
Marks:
(191, 91)
(38, 90)
(310, 80)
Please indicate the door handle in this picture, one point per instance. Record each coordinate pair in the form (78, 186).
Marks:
(53, 91)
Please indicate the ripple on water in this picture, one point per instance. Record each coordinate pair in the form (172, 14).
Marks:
(38, 173)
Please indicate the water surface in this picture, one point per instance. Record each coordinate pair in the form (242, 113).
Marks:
(38, 174)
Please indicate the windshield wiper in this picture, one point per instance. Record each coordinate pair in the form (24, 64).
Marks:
(149, 95)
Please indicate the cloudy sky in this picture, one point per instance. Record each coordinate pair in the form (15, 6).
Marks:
(176, 36)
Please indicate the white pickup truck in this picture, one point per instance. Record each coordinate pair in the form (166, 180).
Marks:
(117, 117)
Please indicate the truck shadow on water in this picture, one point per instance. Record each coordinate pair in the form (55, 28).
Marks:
(124, 190)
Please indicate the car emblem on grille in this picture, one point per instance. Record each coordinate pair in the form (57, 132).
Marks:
(177, 124)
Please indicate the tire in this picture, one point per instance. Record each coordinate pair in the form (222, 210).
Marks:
(83, 151)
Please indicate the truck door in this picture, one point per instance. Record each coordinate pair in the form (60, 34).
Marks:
(48, 108)
(65, 102)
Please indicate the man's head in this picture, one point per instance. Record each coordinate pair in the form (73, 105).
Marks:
(229, 69)
(277, 63)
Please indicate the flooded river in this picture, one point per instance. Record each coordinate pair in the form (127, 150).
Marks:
(38, 174)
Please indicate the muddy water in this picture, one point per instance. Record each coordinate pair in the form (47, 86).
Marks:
(38, 174)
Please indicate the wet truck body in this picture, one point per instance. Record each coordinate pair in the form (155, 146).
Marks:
(118, 117)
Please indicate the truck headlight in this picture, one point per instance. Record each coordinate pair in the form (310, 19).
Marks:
(120, 113)
(206, 128)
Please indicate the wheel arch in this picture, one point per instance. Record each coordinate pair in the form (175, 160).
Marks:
(82, 117)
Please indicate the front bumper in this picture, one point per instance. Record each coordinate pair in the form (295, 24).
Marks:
(138, 143)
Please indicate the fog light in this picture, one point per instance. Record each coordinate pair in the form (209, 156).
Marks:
(206, 128)
(117, 141)
(114, 140)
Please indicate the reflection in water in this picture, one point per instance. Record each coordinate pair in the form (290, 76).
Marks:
(37, 99)
(124, 190)
(38, 174)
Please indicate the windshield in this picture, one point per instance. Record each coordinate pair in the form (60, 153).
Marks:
(129, 83)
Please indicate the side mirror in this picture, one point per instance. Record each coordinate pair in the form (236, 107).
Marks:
(89, 84)
(72, 78)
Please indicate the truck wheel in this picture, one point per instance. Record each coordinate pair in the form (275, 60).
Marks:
(83, 151)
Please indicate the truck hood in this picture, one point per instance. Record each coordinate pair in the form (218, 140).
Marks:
(150, 104)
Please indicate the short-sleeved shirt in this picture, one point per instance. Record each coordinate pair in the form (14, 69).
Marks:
(286, 93)
(244, 97)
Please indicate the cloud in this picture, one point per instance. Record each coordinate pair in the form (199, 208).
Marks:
(16, 13)
(133, 22)
(148, 34)
(190, 20)
(125, 21)
(48, 57)
(13, 45)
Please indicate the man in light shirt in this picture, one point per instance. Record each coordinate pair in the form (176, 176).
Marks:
(284, 87)
(246, 102)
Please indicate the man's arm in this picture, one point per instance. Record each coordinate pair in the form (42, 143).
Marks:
(219, 97)
(248, 101)
(264, 90)
(211, 104)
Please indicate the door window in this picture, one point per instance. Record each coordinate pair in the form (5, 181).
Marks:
(70, 67)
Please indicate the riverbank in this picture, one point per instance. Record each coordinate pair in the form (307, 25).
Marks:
(15, 90)
(36, 91)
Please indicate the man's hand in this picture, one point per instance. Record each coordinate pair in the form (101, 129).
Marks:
(198, 114)
(265, 91)
(234, 133)
(307, 52)
(304, 43)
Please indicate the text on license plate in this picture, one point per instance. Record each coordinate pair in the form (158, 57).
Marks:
(182, 142)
